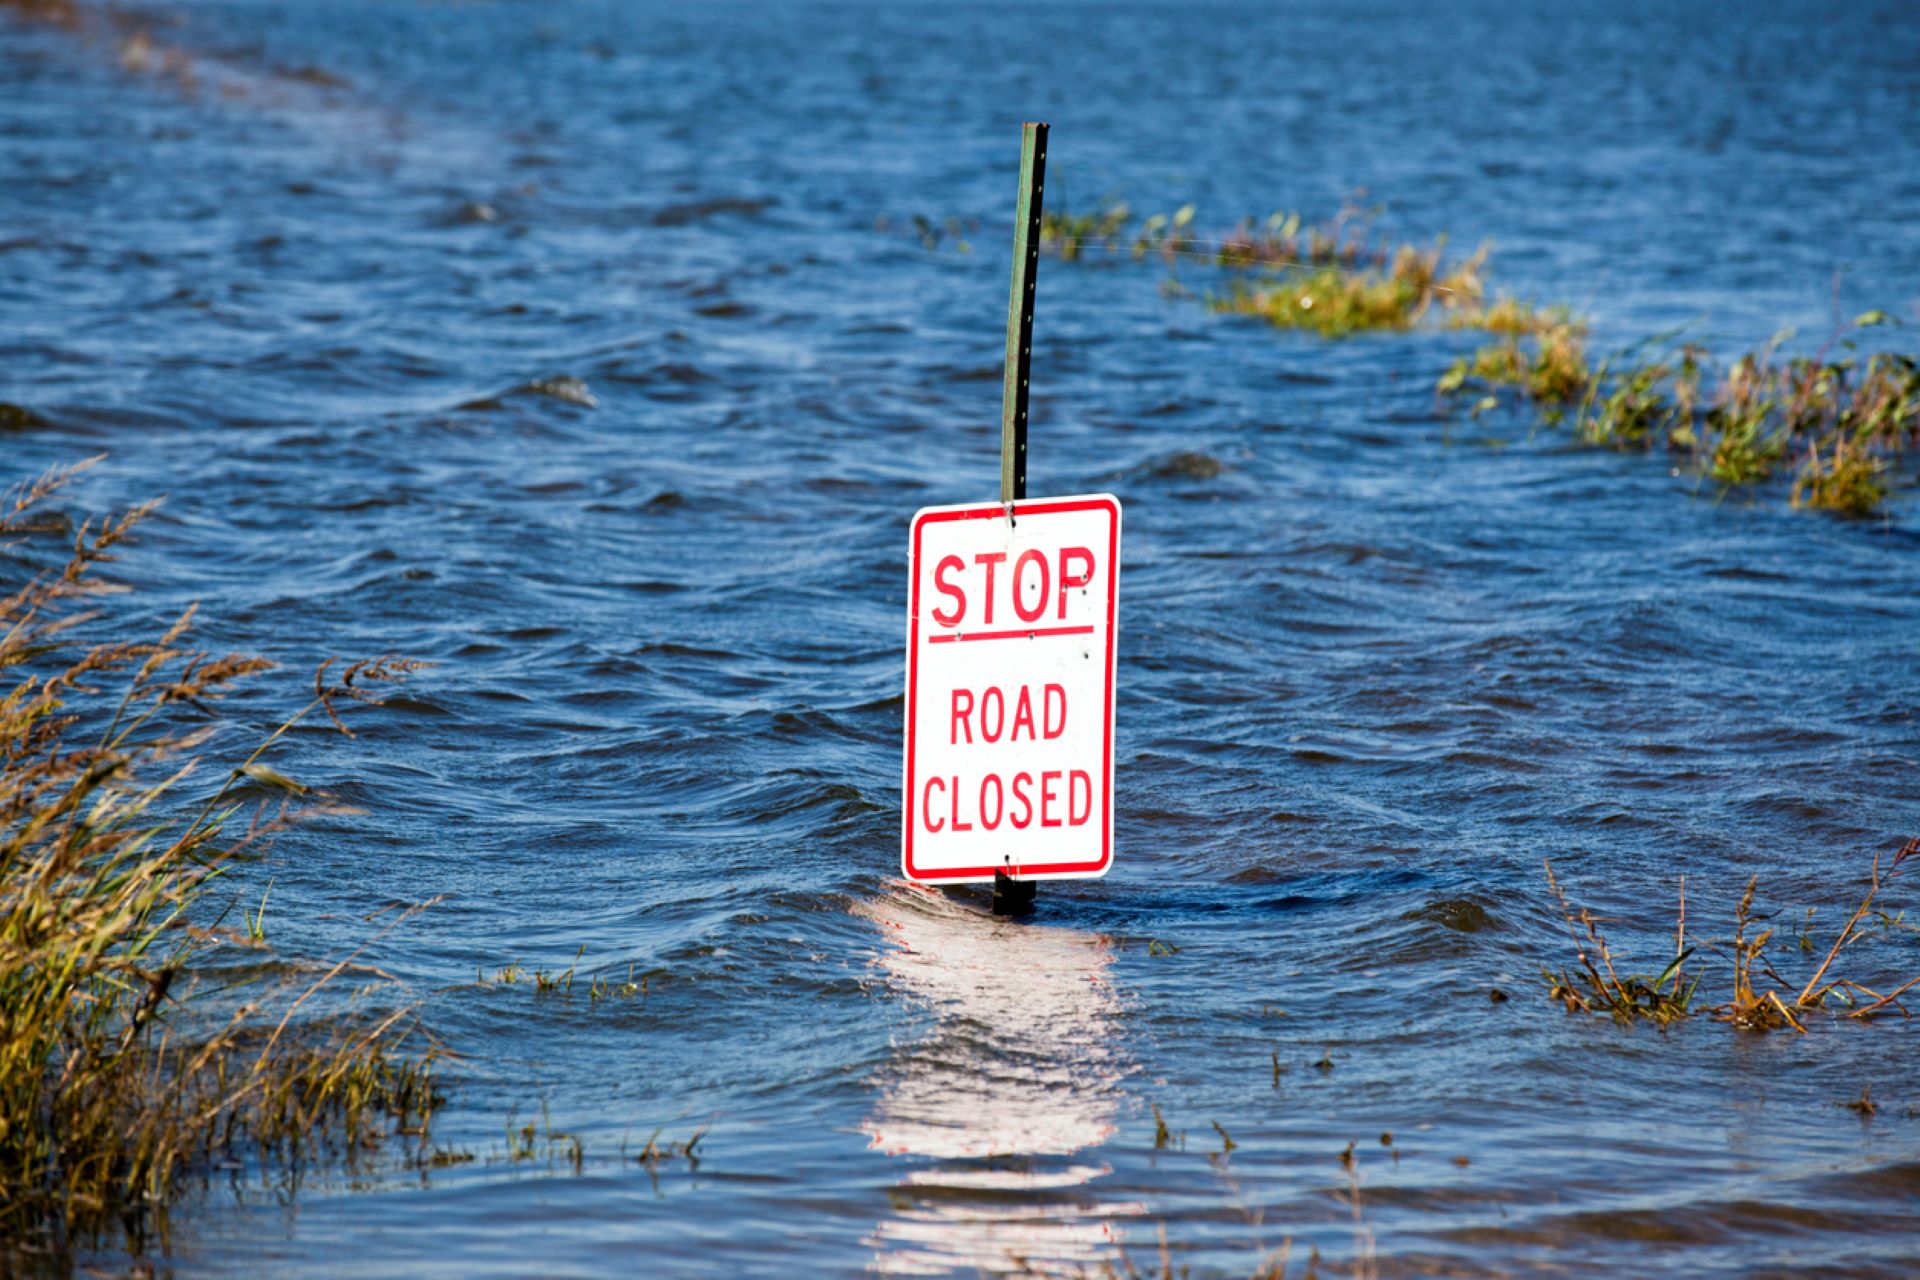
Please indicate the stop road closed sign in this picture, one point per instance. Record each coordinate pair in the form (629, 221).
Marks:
(1010, 689)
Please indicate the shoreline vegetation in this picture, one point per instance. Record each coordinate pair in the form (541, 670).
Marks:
(1840, 424)
(144, 1037)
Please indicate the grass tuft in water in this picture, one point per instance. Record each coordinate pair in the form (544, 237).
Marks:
(1335, 301)
(1765, 1001)
(1846, 419)
(128, 1056)
(1594, 985)
(1282, 239)
(1762, 1000)
(1846, 478)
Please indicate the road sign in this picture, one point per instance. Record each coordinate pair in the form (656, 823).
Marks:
(1011, 619)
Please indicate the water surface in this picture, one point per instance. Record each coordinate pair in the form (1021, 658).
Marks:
(1374, 665)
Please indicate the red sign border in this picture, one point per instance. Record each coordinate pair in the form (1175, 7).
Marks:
(997, 511)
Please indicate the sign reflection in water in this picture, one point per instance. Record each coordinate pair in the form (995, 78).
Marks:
(998, 1101)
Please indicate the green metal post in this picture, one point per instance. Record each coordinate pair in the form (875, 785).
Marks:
(1026, 264)
(1016, 897)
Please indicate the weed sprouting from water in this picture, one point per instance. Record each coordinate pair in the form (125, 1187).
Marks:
(525, 1142)
(1267, 1264)
(1762, 1000)
(1546, 359)
(608, 989)
(1765, 1010)
(1335, 301)
(1283, 239)
(561, 983)
(1594, 985)
(119, 1070)
(653, 1154)
(1847, 420)
(256, 921)
(549, 983)
(932, 235)
(1847, 478)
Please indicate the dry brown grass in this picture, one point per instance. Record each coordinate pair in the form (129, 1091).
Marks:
(1594, 984)
(123, 1066)
(1765, 1001)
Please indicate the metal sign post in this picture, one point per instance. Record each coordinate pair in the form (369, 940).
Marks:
(1019, 363)
(1010, 896)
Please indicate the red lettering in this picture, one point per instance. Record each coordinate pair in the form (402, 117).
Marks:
(999, 801)
(1051, 727)
(953, 793)
(947, 565)
(1067, 580)
(996, 700)
(926, 804)
(1020, 783)
(991, 559)
(962, 709)
(1022, 714)
(1079, 784)
(1019, 596)
(1047, 797)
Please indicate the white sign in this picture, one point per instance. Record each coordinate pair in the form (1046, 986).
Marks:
(1010, 684)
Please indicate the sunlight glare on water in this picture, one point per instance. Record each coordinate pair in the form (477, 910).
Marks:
(1017, 1076)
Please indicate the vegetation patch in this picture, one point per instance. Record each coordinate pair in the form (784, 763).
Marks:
(1841, 423)
(1283, 239)
(1337, 301)
(1761, 999)
(1841, 426)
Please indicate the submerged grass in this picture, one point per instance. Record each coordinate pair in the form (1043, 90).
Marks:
(1265, 1263)
(1283, 239)
(1333, 278)
(1841, 425)
(1336, 301)
(130, 1054)
(1848, 420)
(1761, 999)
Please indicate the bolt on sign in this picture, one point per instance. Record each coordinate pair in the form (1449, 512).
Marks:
(1011, 615)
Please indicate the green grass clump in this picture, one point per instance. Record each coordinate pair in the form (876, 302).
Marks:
(1335, 302)
(1848, 420)
(119, 1069)
(1544, 356)
(1846, 479)
(1070, 235)
(1283, 239)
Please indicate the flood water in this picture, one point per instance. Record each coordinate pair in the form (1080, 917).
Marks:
(1374, 665)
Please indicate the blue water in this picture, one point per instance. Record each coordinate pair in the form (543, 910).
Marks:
(300, 268)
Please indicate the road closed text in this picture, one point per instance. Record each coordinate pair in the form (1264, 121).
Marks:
(1050, 797)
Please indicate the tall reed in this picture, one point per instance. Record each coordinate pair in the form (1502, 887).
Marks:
(126, 1060)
